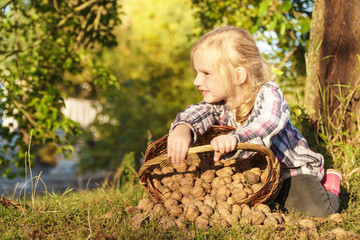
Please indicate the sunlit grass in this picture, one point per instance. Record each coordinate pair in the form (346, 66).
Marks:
(101, 214)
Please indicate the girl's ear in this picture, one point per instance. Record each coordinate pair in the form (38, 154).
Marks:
(241, 75)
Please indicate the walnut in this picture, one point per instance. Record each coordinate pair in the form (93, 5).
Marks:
(166, 181)
(227, 180)
(206, 209)
(224, 212)
(263, 207)
(224, 172)
(225, 191)
(157, 184)
(213, 192)
(236, 184)
(257, 217)
(245, 209)
(175, 186)
(215, 183)
(187, 199)
(210, 201)
(198, 191)
(216, 220)
(176, 177)
(190, 176)
(264, 175)
(225, 205)
(176, 195)
(248, 190)
(186, 189)
(167, 222)
(138, 219)
(207, 187)
(198, 202)
(181, 222)
(181, 167)
(239, 176)
(192, 168)
(337, 218)
(186, 181)
(202, 221)
(170, 202)
(220, 199)
(239, 195)
(175, 211)
(199, 182)
(256, 170)
(208, 176)
(191, 212)
(232, 219)
(256, 187)
(251, 178)
(308, 224)
(270, 220)
(166, 192)
(159, 208)
(230, 200)
(145, 204)
(236, 210)
(168, 170)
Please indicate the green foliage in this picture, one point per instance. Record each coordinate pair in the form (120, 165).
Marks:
(40, 41)
(334, 130)
(151, 65)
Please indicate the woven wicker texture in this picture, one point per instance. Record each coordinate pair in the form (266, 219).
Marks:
(202, 153)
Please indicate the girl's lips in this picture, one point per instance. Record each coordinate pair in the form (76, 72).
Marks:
(204, 92)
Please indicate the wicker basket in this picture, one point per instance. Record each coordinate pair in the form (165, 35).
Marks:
(156, 157)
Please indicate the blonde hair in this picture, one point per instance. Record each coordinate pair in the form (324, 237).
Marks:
(229, 48)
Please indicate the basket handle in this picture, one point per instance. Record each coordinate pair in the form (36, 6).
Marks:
(207, 148)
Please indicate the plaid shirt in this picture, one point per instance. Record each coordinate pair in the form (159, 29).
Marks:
(269, 125)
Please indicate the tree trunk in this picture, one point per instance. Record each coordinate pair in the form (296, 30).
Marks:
(333, 65)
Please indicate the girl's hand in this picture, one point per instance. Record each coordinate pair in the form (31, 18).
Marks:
(223, 144)
(178, 143)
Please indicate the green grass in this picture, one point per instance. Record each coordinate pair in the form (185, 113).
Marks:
(101, 214)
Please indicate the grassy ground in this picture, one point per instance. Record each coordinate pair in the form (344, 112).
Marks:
(101, 214)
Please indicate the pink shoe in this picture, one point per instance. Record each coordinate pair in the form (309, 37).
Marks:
(332, 180)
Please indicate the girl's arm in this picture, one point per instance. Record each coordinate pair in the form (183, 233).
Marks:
(269, 116)
(198, 117)
(195, 120)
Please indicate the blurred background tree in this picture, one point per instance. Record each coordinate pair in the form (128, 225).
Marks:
(41, 41)
(151, 64)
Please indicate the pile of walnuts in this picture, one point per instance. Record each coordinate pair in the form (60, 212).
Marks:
(205, 193)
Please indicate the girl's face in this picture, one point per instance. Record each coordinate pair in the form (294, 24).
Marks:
(211, 86)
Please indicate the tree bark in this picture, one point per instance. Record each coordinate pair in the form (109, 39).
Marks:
(333, 62)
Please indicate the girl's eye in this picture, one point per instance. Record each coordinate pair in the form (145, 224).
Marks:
(206, 73)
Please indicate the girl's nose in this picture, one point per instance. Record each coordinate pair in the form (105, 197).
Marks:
(198, 80)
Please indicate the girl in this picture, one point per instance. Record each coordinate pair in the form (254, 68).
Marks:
(238, 90)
